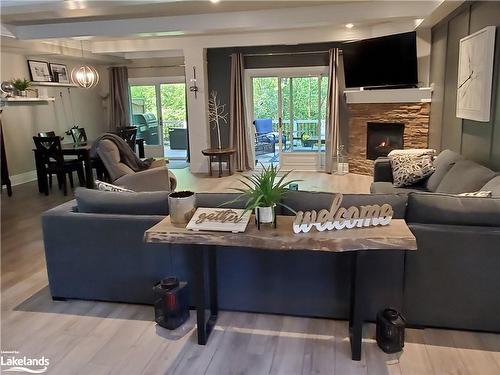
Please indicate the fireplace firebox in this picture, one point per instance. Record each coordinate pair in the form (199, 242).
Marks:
(382, 138)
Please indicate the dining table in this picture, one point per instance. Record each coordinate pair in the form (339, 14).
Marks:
(82, 151)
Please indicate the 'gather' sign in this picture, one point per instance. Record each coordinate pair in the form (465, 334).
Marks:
(343, 218)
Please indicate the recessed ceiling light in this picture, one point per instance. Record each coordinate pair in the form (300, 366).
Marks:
(349, 25)
(214, 1)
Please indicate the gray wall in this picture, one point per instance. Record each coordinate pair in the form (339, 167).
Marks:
(478, 141)
(219, 72)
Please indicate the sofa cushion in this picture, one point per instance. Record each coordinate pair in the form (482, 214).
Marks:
(465, 176)
(407, 169)
(381, 187)
(433, 208)
(123, 203)
(442, 164)
(493, 185)
(308, 200)
(223, 200)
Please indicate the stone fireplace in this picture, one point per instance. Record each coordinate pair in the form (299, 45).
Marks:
(377, 128)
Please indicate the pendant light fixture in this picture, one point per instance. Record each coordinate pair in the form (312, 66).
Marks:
(85, 76)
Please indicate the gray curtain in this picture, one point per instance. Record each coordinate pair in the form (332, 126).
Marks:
(333, 117)
(119, 111)
(240, 134)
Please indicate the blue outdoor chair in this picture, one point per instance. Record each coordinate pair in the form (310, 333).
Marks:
(264, 132)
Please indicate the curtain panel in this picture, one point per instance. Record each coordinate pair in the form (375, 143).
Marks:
(240, 134)
(119, 111)
(333, 111)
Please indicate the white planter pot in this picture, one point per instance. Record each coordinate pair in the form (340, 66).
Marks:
(265, 214)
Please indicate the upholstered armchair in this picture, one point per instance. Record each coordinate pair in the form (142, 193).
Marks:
(156, 178)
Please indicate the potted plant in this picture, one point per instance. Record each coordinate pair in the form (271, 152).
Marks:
(21, 86)
(264, 192)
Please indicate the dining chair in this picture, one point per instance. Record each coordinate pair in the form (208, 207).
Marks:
(79, 136)
(128, 134)
(51, 161)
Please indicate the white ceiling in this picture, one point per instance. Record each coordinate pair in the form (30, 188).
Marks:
(135, 29)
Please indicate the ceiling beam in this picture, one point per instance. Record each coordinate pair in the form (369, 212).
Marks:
(313, 16)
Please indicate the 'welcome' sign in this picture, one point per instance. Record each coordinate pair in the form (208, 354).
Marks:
(343, 218)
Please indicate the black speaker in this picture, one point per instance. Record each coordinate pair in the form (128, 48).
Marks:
(390, 331)
(171, 303)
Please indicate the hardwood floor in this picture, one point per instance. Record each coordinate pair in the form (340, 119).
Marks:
(85, 337)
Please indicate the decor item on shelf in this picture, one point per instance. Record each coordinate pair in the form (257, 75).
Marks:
(216, 114)
(194, 87)
(21, 86)
(265, 191)
(343, 218)
(39, 71)
(475, 75)
(85, 76)
(7, 88)
(219, 219)
(59, 73)
(340, 165)
(181, 206)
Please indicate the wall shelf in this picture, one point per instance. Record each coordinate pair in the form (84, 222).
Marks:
(416, 95)
(6, 101)
(53, 84)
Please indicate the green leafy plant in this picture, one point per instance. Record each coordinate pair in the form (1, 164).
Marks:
(264, 189)
(21, 84)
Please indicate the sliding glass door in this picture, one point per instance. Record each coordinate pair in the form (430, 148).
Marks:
(159, 112)
(296, 99)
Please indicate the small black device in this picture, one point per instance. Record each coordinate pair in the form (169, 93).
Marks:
(171, 302)
(390, 331)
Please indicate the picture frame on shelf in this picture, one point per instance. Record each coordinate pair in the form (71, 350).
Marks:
(59, 73)
(39, 71)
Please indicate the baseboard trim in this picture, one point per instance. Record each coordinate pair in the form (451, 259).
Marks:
(23, 178)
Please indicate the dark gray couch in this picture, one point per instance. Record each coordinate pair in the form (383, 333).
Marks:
(451, 281)
(453, 175)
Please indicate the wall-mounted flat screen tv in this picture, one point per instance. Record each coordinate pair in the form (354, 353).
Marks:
(389, 61)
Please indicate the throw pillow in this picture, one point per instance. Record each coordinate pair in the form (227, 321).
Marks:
(104, 186)
(413, 151)
(465, 176)
(479, 194)
(407, 169)
(443, 163)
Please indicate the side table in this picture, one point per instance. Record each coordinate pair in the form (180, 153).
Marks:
(217, 154)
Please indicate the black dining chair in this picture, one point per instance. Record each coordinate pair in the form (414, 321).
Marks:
(51, 161)
(128, 134)
(79, 136)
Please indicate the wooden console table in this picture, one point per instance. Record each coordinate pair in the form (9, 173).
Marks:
(394, 237)
(218, 154)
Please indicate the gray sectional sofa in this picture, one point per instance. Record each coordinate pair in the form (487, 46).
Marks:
(94, 250)
(453, 175)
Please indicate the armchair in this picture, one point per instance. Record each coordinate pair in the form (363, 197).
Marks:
(264, 134)
(156, 178)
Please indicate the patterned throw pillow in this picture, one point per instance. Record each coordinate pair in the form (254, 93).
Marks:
(104, 186)
(478, 194)
(407, 169)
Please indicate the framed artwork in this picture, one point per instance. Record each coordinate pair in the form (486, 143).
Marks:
(475, 75)
(39, 71)
(59, 73)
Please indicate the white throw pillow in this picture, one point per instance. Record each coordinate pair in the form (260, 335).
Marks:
(413, 151)
(478, 194)
(407, 169)
(104, 186)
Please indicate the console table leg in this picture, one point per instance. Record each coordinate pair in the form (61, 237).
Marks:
(205, 261)
(355, 314)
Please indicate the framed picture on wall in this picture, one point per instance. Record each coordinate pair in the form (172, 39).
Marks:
(475, 75)
(59, 73)
(39, 71)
